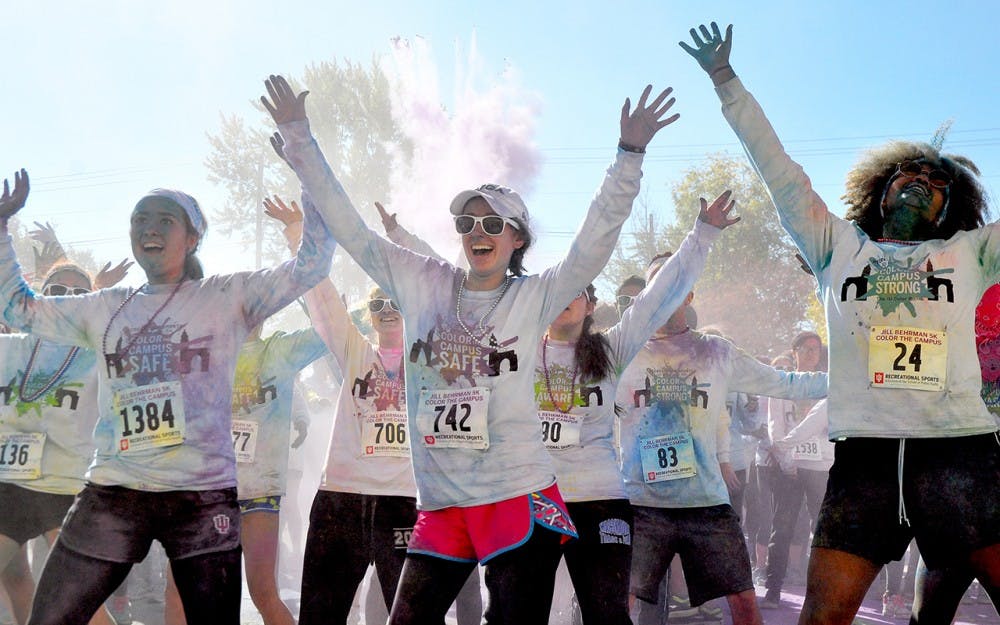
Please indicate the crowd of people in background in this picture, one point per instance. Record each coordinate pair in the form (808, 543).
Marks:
(486, 427)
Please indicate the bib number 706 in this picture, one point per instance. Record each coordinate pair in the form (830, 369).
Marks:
(458, 424)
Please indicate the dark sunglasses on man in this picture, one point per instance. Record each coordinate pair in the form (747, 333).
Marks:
(937, 178)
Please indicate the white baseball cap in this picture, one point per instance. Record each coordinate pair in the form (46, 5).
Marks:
(503, 200)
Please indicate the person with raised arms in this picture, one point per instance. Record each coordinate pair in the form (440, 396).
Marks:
(165, 468)
(576, 379)
(486, 487)
(917, 454)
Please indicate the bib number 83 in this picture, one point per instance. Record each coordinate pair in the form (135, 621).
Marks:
(146, 417)
(666, 457)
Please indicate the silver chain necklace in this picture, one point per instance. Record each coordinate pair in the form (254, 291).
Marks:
(482, 320)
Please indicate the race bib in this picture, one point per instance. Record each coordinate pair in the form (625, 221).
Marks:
(560, 430)
(808, 450)
(454, 418)
(911, 358)
(383, 433)
(667, 457)
(150, 416)
(245, 440)
(21, 455)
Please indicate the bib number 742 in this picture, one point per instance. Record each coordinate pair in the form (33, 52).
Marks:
(453, 417)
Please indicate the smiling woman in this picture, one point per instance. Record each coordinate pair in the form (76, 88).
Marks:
(164, 467)
(166, 228)
(486, 487)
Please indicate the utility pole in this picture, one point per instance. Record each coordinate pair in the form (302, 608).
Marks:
(259, 212)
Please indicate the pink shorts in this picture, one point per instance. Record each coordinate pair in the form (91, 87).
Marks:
(479, 533)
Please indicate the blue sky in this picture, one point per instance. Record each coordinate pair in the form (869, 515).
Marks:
(105, 100)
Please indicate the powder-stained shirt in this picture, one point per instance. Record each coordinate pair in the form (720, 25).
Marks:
(48, 408)
(263, 390)
(165, 391)
(369, 451)
(676, 430)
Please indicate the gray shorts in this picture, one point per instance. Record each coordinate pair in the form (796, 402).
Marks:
(119, 524)
(709, 541)
(950, 497)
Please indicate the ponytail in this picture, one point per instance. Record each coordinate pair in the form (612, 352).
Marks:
(192, 267)
(593, 350)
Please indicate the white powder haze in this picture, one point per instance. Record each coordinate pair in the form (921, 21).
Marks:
(486, 136)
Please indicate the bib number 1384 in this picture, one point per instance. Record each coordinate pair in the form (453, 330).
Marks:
(150, 416)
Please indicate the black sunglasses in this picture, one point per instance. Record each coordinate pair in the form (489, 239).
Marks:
(938, 178)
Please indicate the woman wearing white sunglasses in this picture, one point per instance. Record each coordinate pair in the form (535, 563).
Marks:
(485, 484)
(365, 507)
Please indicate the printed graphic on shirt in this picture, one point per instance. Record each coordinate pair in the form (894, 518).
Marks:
(378, 390)
(894, 284)
(665, 385)
(248, 394)
(158, 354)
(61, 396)
(456, 355)
(564, 396)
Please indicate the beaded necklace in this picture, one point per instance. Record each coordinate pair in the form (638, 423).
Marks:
(458, 309)
(899, 241)
(142, 330)
(548, 385)
(30, 397)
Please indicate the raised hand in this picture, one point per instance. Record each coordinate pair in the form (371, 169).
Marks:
(639, 126)
(711, 50)
(284, 105)
(109, 276)
(10, 203)
(278, 143)
(717, 213)
(277, 209)
(43, 233)
(388, 221)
